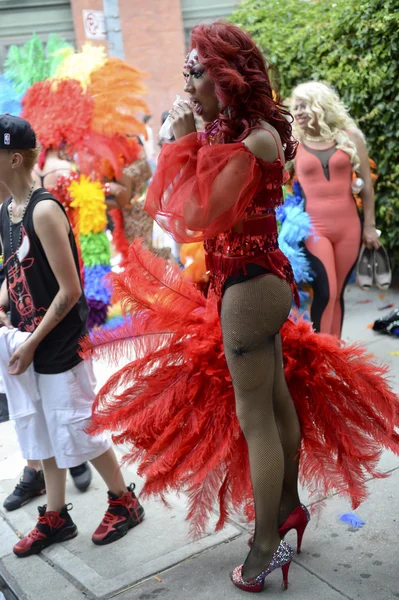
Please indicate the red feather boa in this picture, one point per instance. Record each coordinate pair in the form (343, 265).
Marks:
(174, 401)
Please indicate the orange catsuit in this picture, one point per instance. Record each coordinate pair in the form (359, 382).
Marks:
(223, 195)
(333, 247)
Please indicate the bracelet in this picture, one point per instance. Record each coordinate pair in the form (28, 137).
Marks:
(2, 308)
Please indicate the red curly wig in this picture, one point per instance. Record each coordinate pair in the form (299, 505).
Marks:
(242, 85)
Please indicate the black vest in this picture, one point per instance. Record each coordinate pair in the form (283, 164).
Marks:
(32, 287)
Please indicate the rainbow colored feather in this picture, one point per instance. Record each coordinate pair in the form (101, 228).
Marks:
(87, 104)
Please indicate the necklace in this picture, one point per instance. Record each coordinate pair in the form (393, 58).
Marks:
(13, 252)
(212, 134)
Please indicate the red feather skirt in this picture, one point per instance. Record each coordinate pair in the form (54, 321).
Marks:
(173, 401)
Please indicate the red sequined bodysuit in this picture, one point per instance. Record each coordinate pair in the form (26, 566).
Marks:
(254, 239)
(225, 196)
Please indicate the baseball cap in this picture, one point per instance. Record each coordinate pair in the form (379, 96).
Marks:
(16, 133)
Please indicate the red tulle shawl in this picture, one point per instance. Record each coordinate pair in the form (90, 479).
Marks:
(199, 191)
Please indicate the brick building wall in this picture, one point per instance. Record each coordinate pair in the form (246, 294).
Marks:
(153, 40)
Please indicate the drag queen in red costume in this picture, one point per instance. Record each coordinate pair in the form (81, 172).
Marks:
(234, 188)
(231, 433)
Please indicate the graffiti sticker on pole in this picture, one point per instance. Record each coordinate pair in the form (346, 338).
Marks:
(94, 22)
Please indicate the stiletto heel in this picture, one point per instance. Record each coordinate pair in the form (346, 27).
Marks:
(298, 520)
(285, 570)
(300, 530)
(281, 560)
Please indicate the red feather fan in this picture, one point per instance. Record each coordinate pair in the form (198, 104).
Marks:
(174, 401)
(59, 112)
(96, 150)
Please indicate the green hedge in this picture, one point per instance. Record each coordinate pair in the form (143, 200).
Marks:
(354, 46)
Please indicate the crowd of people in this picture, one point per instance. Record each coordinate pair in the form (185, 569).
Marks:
(231, 380)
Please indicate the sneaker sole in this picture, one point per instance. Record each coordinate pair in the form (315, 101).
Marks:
(120, 533)
(10, 509)
(82, 488)
(67, 534)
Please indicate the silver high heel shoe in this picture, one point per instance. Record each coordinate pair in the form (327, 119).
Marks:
(281, 560)
(364, 270)
(382, 269)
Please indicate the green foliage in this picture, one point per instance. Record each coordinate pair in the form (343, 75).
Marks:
(354, 46)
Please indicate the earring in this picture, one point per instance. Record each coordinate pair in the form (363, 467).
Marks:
(226, 111)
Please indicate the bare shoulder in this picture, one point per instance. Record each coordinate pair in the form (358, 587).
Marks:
(48, 213)
(264, 143)
(356, 136)
(54, 163)
(49, 208)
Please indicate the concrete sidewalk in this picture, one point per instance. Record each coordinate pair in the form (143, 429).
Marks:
(158, 560)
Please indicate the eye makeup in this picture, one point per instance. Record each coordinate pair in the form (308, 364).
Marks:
(196, 73)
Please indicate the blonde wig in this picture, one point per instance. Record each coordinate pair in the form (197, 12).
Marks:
(332, 117)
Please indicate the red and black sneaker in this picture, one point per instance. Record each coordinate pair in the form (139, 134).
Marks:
(123, 513)
(51, 527)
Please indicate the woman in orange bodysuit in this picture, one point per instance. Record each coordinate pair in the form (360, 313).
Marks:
(331, 148)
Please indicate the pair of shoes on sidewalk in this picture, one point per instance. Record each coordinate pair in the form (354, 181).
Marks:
(373, 267)
(32, 484)
(124, 513)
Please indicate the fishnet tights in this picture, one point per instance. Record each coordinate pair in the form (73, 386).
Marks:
(252, 314)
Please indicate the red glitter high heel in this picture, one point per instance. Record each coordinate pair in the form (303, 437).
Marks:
(281, 560)
(298, 519)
